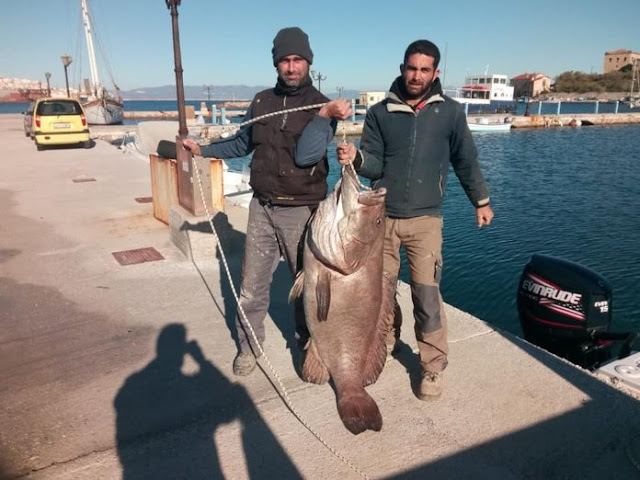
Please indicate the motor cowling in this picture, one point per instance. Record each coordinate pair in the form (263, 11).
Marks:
(564, 308)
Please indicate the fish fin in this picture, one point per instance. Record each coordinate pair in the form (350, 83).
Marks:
(358, 411)
(378, 351)
(323, 295)
(298, 286)
(313, 369)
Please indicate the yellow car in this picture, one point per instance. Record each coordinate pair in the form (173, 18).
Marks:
(59, 121)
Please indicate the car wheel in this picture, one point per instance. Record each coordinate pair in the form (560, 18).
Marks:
(39, 147)
(87, 144)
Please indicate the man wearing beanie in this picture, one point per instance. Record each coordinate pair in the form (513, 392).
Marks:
(288, 175)
(407, 144)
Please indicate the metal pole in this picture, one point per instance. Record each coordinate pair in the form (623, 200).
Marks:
(66, 61)
(183, 131)
(48, 76)
(319, 77)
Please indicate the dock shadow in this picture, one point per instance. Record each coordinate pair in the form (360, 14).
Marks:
(166, 420)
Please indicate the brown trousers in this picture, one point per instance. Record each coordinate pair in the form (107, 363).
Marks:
(422, 240)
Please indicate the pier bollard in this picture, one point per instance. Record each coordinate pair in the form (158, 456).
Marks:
(214, 114)
(597, 106)
(558, 111)
(617, 105)
(353, 110)
(540, 107)
(223, 116)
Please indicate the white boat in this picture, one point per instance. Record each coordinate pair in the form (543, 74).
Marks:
(487, 92)
(100, 106)
(483, 124)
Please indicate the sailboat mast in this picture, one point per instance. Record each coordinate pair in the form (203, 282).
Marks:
(95, 80)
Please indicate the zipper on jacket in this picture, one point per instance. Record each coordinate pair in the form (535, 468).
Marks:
(284, 116)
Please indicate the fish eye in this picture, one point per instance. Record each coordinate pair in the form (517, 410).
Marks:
(378, 222)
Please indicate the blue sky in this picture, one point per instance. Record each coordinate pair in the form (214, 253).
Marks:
(357, 44)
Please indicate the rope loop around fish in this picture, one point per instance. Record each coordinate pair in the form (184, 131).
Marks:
(281, 388)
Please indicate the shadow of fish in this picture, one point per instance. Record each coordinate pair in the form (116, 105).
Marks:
(347, 298)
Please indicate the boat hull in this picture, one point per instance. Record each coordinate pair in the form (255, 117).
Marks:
(103, 112)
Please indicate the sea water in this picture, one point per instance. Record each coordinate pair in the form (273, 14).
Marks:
(573, 193)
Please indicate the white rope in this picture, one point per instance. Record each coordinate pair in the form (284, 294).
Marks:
(282, 390)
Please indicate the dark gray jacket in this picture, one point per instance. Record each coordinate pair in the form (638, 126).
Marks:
(409, 153)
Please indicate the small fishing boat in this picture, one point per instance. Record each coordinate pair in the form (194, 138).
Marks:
(483, 124)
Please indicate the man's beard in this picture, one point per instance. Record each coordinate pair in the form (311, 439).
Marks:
(420, 94)
(292, 83)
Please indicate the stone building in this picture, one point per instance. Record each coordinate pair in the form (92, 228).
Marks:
(368, 99)
(530, 84)
(618, 59)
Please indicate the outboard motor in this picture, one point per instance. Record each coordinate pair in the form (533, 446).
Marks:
(565, 308)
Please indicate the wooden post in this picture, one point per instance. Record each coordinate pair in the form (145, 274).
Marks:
(164, 186)
(217, 184)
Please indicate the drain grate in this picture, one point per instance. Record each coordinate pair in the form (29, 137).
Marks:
(144, 199)
(83, 179)
(139, 255)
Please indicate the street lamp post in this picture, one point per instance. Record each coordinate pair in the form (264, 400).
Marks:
(66, 61)
(319, 77)
(192, 201)
(208, 89)
(172, 5)
(48, 76)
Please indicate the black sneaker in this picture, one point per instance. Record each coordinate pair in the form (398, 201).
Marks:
(244, 364)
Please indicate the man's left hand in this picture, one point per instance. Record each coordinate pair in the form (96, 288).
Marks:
(484, 215)
(340, 109)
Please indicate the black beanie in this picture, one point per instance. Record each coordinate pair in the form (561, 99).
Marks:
(291, 41)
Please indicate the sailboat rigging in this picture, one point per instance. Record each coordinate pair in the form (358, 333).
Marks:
(100, 106)
(634, 96)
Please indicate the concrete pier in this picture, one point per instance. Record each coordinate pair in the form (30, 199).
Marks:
(112, 369)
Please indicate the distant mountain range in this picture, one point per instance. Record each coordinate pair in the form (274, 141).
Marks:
(221, 92)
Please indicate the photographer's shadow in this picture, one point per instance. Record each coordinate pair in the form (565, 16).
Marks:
(166, 420)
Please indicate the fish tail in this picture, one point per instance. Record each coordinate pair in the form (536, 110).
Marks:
(359, 412)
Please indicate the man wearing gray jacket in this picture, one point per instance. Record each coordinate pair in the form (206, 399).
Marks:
(408, 142)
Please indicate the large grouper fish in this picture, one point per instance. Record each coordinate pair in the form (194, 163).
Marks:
(347, 298)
